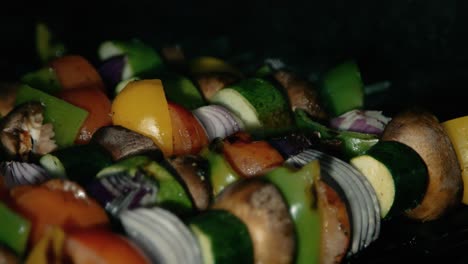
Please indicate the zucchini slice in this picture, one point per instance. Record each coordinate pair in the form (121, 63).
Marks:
(260, 105)
(223, 238)
(397, 173)
(78, 163)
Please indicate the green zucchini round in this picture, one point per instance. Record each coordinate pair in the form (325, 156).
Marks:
(397, 173)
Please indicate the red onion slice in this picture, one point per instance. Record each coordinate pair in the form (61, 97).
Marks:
(111, 70)
(364, 121)
(119, 192)
(18, 173)
(292, 144)
(217, 121)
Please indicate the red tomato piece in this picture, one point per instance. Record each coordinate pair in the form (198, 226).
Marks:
(57, 203)
(189, 136)
(74, 71)
(96, 103)
(100, 246)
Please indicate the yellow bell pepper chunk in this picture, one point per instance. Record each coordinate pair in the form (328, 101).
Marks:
(142, 107)
(457, 131)
(50, 245)
(207, 64)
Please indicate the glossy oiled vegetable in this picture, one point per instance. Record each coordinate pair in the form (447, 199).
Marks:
(335, 232)
(342, 89)
(265, 212)
(22, 173)
(397, 173)
(221, 174)
(139, 58)
(98, 106)
(250, 157)
(189, 137)
(193, 170)
(66, 118)
(142, 107)
(422, 131)
(72, 208)
(223, 238)
(74, 71)
(343, 144)
(49, 248)
(24, 134)
(457, 131)
(162, 235)
(63, 163)
(14, 230)
(122, 142)
(171, 193)
(260, 105)
(297, 189)
(301, 94)
(358, 194)
(102, 246)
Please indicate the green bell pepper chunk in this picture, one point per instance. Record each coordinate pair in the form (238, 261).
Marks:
(221, 174)
(349, 144)
(342, 89)
(296, 186)
(14, 230)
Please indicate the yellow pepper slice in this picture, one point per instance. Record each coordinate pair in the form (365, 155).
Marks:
(50, 245)
(457, 131)
(142, 107)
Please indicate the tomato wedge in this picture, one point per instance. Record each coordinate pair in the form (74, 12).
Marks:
(57, 203)
(100, 246)
(189, 136)
(74, 71)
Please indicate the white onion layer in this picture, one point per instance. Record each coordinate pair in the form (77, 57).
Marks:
(162, 235)
(218, 121)
(18, 173)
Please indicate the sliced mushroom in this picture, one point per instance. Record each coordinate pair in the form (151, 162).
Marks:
(122, 142)
(23, 134)
(301, 94)
(193, 171)
(262, 208)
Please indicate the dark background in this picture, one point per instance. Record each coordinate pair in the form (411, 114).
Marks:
(420, 46)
